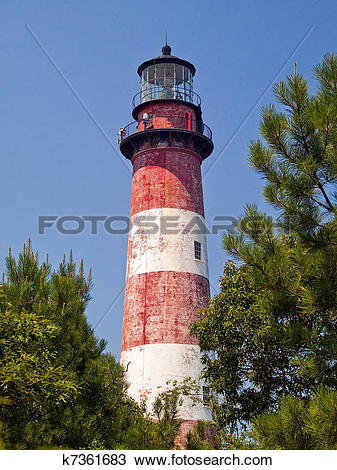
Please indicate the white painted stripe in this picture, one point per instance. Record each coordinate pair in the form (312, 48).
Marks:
(151, 366)
(164, 251)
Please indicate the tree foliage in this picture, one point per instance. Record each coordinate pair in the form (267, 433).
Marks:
(30, 380)
(273, 327)
(58, 389)
(296, 273)
(299, 424)
(247, 363)
(203, 437)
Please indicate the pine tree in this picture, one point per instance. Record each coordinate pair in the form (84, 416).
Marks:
(299, 424)
(58, 389)
(296, 270)
(290, 266)
(44, 325)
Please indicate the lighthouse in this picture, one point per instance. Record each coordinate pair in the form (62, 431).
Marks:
(167, 268)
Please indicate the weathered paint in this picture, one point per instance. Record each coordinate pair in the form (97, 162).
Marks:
(160, 306)
(165, 285)
(166, 177)
(168, 108)
(171, 245)
(187, 425)
(151, 366)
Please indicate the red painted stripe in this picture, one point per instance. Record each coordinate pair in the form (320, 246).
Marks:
(186, 426)
(166, 177)
(190, 425)
(160, 306)
(165, 109)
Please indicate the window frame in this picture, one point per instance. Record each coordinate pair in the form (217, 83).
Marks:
(197, 250)
(206, 395)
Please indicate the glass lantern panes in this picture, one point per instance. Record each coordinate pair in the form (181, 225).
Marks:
(166, 81)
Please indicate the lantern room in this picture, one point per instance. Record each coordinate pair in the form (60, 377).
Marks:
(166, 108)
(166, 77)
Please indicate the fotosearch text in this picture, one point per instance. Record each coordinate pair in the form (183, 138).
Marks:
(144, 224)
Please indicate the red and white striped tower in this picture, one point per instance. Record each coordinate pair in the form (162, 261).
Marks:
(167, 273)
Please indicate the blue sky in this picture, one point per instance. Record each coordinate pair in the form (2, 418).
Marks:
(54, 158)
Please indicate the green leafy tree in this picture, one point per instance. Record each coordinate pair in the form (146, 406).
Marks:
(30, 381)
(58, 389)
(247, 365)
(286, 317)
(45, 327)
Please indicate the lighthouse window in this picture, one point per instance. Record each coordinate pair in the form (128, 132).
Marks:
(206, 396)
(197, 250)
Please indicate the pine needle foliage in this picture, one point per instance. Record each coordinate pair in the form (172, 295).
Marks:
(298, 424)
(58, 389)
(280, 307)
(294, 266)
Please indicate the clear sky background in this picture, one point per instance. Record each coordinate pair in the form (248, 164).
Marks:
(54, 158)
